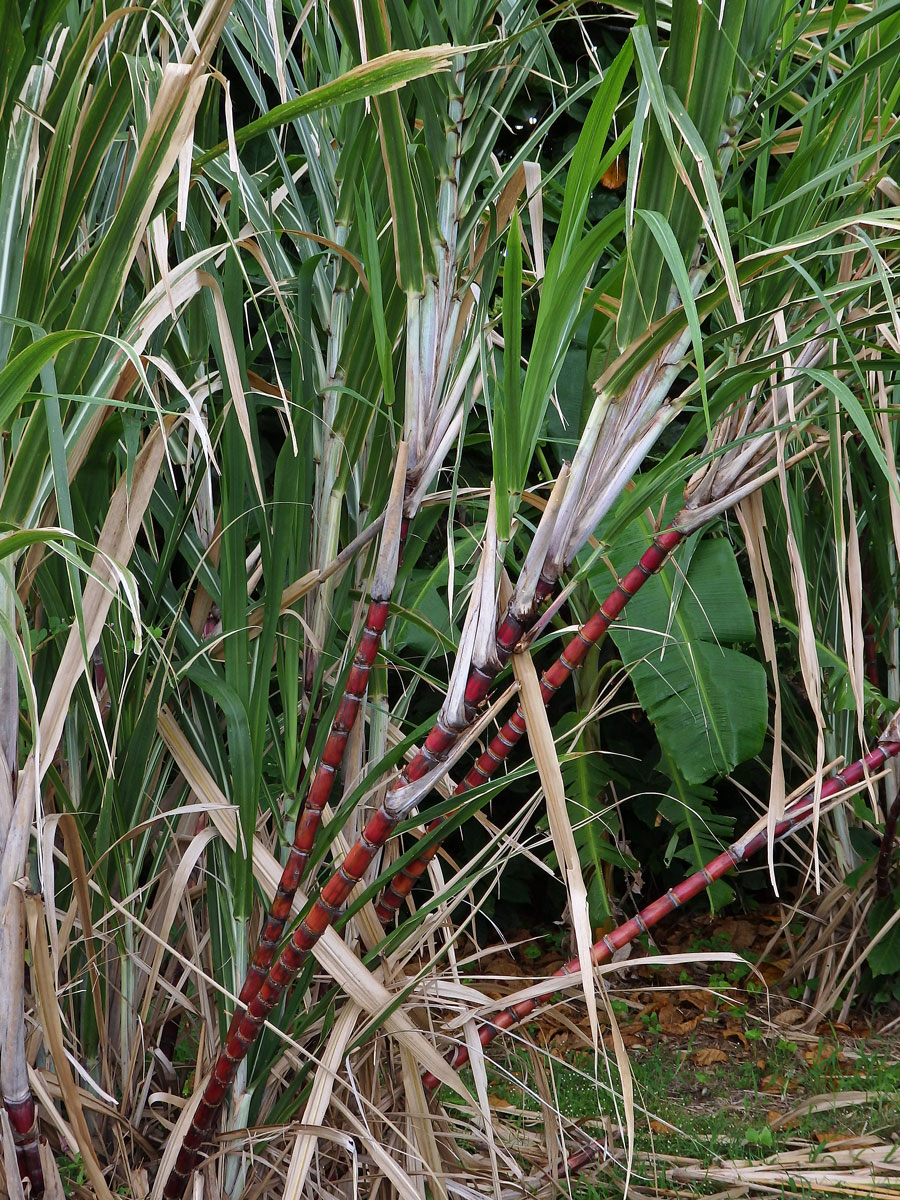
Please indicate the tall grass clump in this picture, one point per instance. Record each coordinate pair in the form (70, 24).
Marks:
(335, 386)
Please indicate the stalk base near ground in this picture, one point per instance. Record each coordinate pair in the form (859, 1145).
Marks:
(319, 918)
(23, 1119)
(327, 908)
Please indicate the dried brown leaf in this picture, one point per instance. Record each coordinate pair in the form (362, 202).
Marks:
(709, 1056)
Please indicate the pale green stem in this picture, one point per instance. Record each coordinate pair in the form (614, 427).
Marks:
(236, 1164)
(329, 499)
(9, 699)
(127, 1012)
(13, 1068)
(330, 527)
(448, 328)
(428, 351)
(235, 1167)
(414, 431)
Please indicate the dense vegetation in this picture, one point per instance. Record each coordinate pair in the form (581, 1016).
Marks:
(358, 363)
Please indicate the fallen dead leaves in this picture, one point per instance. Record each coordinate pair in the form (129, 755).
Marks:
(708, 1056)
(865, 1166)
(705, 1025)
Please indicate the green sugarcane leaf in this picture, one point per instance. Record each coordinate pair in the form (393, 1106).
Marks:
(690, 88)
(706, 700)
(19, 373)
(701, 832)
(591, 156)
(562, 307)
(595, 823)
(14, 184)
(168, 130)
(240, 775)
(369, 234)
(23, 479)
(654, 188)
(707, 171)
(97, 128)
(12, 53)
(56, 440)
(423, 615)
(86, 124)
(571, 261)
(377, 77)
(772, 260)
(857, 414)
(395, 149)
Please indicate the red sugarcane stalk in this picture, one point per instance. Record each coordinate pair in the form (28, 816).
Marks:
(332, 756)
(390, 556)
(499, 748)
(327, 908)
(686, 890)
(322, 914)
(317, 797)
(23, 1119)
(883, 866)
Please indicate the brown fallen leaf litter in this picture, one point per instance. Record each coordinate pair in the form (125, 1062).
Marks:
(704, 1017)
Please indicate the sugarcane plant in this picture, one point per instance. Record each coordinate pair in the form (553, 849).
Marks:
(313, 330)
(618, 434)
(743, 444)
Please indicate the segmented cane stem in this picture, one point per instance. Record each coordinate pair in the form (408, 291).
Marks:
(23, 1119)
(737, 853)
(328, 907)
(502, 744)
(317, 797)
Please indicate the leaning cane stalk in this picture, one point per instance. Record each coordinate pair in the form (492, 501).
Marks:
(396, 525)
(435, 405)
(407, 494)
(410, 488)
(484, 651)
(502, 744)
(714, 487)
(407, 790)
(795, 815)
